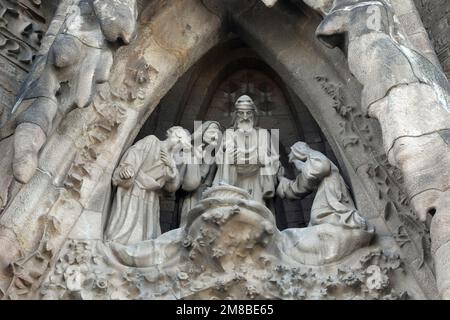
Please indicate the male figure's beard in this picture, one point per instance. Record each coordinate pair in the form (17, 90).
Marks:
(245, 124)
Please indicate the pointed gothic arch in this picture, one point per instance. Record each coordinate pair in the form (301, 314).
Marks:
(208, 90)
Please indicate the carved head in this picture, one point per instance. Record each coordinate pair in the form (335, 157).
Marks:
(178, 138)
(245, 113)
(348, 19)
(118, 19)
(209, 133)
(299, 151)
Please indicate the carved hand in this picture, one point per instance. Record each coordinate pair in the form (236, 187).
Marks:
(166, 159)
(172, 173)
(236, 154)
(283, 184)
(126, 173)
(280, 173)
(198, 151)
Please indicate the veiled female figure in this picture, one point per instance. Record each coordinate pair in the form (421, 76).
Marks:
(200, 175)
(332, 203)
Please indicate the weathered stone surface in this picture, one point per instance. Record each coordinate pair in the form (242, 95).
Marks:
(99, 73)
(249, 264)
(410, 110)
(100, 124)
(88, 227)
(434, 14)
(355, 135)
(117, 19)
(383, 46)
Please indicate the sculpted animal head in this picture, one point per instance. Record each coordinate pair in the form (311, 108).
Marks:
(348, 19)
(118, 19)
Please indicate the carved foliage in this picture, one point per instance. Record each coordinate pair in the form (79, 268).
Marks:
(28, 270)
(357, 136)
(370, 279)
(346, 112)
(108, 119)
(84, 273)
(81, 273)
(110, 106)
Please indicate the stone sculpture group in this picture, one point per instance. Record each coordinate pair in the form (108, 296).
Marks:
(225, 226)
(228, 244)
(244, 159)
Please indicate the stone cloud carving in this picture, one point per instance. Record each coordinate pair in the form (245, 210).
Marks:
(230, 248)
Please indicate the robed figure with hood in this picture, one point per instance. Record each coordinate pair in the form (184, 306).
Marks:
(144, 171)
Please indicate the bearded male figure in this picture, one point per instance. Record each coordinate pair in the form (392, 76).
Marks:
(247, 158)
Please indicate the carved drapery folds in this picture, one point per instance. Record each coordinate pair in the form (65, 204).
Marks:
(145, 169)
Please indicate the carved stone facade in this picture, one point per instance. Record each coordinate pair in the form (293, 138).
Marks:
(435, 19)
(318, 171)
(22, 27)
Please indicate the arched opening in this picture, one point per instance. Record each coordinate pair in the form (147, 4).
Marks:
(208, 91)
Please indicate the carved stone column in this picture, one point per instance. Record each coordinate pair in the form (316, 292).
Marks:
(410, 97)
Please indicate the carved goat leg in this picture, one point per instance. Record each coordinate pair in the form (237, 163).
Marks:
(79, 57)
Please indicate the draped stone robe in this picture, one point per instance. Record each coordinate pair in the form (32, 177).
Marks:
(135, 211)
(197, 179)
(332, 203)
(257, 166)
